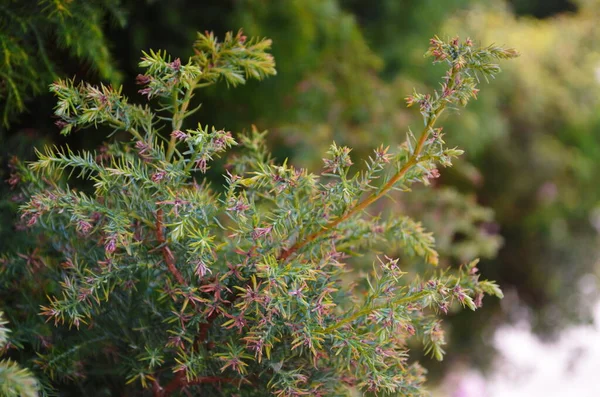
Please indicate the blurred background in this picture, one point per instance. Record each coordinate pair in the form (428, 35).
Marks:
(525, 198)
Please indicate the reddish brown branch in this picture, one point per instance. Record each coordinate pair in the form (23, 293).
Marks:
(166, 251)
(209, 379)
(157, 390)
(180, 381)
(203, 328)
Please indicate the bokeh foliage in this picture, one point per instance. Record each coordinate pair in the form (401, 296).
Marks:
(36, 37)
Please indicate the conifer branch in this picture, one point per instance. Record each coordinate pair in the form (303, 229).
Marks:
(365, 312)
(179, 114)
(366, 202)
(166, 251)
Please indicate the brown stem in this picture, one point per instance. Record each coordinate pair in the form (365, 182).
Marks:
(166, 251)
(203, 328)
(157, 390)
(180, 381)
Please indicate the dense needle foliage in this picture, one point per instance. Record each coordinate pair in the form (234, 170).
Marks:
(40, 39)
(14, 380)
(158, 282)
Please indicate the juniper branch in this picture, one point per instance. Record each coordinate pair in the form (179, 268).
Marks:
(166, 251)
(373, 197)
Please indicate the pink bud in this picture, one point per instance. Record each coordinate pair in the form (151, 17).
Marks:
(142, 79)
(178, 134)
(111, 245)
(158, 176)
(176, 65)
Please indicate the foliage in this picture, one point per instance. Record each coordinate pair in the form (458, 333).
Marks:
(35, 35)
(321, 51)
(14, 380)
(183, 287)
